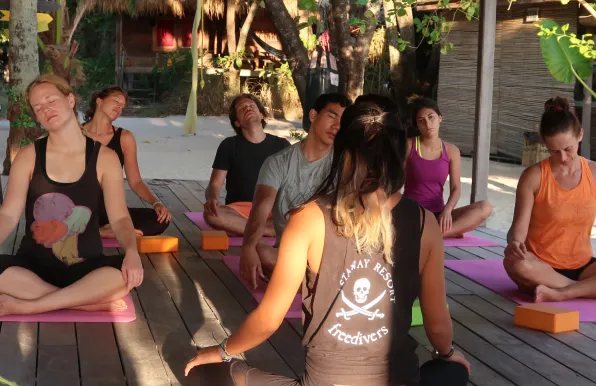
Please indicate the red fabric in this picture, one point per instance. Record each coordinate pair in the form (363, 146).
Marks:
(187, 33)
(165, 33)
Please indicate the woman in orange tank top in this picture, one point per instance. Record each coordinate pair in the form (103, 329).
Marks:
(549, 250)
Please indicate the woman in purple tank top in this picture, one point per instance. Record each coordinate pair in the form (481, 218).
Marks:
(429, 161)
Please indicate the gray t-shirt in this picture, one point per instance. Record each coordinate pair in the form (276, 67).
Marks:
(295, 180)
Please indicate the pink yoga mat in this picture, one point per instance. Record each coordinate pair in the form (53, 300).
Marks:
(110, 243)
(78, 316)
(470, 241)
(492, 275)
(198, 219)
(233, 262)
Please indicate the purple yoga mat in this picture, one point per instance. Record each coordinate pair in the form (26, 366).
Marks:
(233, 262)
(110, 243)
(491, 274)
(470, 241)
(198, 219)
(78, 316)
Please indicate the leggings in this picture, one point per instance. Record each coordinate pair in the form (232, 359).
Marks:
(143, 219)
(237, 373)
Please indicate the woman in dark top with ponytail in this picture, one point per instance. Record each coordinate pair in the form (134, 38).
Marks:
(363, 253)
(105, 106)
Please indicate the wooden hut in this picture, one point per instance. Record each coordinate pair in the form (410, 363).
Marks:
(522, 82)
(153, 27)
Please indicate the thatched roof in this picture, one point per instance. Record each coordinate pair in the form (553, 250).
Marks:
(175, 7)
(157, 7)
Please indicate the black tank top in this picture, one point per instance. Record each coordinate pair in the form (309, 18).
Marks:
(61, 218)
(358, 309)
(115, 144)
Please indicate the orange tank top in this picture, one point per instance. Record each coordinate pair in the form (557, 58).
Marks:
(561, 220)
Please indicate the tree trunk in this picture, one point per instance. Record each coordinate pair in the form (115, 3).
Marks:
(232, 76)
(294, 50)
(81, 9)
(402, 65)
(252, 11)
(24, 68)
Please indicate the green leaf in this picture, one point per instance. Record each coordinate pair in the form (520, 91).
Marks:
(262, 4)
(312, 19)
(565, 28)
(369, 14)
(559, 57)
(363, 29)
(565, 2)
(302, 26)
(238, 62)
(402, 12)
(305, 5)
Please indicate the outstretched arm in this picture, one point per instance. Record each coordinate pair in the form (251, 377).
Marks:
(304, 235)
(112, 185)
(16, 191)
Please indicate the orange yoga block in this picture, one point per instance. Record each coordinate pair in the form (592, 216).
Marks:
(157, 244)
(546, 318)
(215, 240)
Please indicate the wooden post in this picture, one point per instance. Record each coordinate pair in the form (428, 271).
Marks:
(119, 58)
(484, 100)
(586, 147)
(586, 121)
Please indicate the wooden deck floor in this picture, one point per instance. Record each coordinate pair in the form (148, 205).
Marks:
(190, 299)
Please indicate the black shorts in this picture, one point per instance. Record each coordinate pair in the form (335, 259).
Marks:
(57, 273)
(574, 274)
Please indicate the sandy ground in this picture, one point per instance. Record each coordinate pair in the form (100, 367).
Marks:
(165, 152)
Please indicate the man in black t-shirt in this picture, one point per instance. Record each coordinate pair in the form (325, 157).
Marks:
(237, 163)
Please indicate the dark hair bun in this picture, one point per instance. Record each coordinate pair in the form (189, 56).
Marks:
(556, 104)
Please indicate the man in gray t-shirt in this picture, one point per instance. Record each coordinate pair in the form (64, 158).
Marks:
(286, 180)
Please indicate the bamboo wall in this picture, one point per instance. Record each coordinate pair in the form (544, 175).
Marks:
(522, 81)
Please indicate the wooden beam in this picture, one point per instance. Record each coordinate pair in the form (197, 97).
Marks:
(586, 147)
(484, 100)
(432, 5)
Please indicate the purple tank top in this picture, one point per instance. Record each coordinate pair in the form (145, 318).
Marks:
(425, 179)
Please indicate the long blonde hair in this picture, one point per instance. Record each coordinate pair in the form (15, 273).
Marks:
(368, 167)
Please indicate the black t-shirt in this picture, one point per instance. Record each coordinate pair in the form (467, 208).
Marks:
(243, 159)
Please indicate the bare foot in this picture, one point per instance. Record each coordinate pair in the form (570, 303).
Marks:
(106, 232)
(115, 306)
(13, 306)
(543, 293)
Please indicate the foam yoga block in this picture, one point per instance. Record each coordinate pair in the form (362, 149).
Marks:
(546, 318)
(416, 314)
(157, 244)
(214, 241)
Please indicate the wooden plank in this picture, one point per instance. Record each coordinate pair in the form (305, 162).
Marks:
(169, 332)
(482, 253)
(550, 358)
(231, 314)
(57, 356)
(459, 254)
(141, 359)
(98, 355)
(481, 374)
(191, 202)
(493, 232)
(18, 353)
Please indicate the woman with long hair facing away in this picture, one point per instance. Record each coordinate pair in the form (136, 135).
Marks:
(549, 253)
(363, 253)
(105, 106)
(430, 160)
(60, 180)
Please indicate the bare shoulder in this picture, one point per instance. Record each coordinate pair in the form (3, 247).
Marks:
(107, 157)
(25, 158)
(452, 150)
(127, 138)
(530, 178)
(309, 216)
(592, 165)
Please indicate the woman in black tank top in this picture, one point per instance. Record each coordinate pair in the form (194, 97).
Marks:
(60, 181)
(105, 106)
(363, 254)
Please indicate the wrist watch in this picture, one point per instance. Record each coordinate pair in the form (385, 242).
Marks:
(222, 351)
(444, 356)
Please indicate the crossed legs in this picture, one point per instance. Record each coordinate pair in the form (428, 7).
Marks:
(233, 223)
(468, 218)
(23, 292)
(533, 275)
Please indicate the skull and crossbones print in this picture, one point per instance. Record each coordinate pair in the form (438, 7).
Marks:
(361, 292)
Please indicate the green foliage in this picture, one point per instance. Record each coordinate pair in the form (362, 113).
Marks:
(4, 381)
(278, 75)
(174, 71)
(561, 54)
(297, 134)
(24, 119)
(236, 60)
(99, 72)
